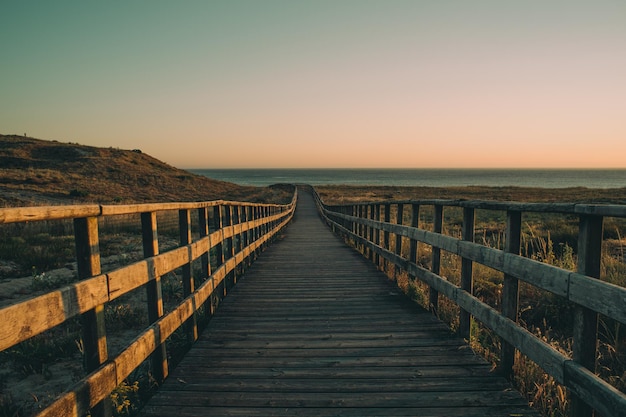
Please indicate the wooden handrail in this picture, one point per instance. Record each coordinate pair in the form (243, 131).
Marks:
(606, 210)
(250, 229)
(41, 213)
(582, 288)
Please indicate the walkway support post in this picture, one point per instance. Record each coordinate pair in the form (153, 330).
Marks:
(377, 233)
(387, 219)
(585, 320)
(510, 290)
(398, 251)
(413, 246)
(467, 283)
(433, 295)
(93, 324)
(184, 228)
(154, 292)
(203, 226)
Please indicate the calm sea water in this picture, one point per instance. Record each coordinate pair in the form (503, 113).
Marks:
(556, 178)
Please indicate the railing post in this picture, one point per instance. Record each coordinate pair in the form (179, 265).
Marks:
(372, 216)
(203, 226)
(399, 220)
(254, 236)
(218, 225)
(267, 212)
(360, 226)
(433, 295)
(377, 233)
(347, 210)
(205, 259)
(467, 283)
(258, 231)
(249, 234)
(586, 320)
(354, 224)
(230, 247)
(510, 290)
(415, 221)
(93, 324)
(387, 219)
(184, 227)
(261, 216)
(219, 252)
(154, 292)
(237, 240)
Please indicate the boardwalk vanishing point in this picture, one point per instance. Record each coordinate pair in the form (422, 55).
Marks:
(314, 329)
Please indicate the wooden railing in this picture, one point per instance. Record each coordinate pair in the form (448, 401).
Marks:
(233, 233)
(369, 226)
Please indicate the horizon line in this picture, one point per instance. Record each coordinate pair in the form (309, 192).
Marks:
(418, 168)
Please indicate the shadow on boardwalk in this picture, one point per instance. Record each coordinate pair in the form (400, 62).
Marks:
(313, 329)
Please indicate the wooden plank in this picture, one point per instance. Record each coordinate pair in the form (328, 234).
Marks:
(24, 320)
(443, 371)
(606, 210)
(600, 296)
(85, 395)
(110, 210)
(601, 395)
(31, 214)
(243, 411)
(128, 278)
(346, 385)
(279, 399)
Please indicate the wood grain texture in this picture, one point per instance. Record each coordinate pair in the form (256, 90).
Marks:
(314, 329)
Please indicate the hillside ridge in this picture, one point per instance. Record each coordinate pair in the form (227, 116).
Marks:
(43, 172)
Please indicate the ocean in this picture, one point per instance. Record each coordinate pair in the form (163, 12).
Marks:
(546, 178)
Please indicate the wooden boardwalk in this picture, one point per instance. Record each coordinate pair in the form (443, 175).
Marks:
(313, 329)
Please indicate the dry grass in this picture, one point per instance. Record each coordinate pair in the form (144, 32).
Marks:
(343, 194)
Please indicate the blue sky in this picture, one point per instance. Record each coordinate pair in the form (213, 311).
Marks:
(344, 83)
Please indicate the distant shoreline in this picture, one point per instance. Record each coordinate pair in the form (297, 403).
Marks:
(420, 177)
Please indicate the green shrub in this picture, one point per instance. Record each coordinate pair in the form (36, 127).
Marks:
(78, 193)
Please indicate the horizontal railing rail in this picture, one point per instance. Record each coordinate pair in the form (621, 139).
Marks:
(369, 226)
(233, 233)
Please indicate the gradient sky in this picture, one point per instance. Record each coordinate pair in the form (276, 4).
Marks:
(322, 83)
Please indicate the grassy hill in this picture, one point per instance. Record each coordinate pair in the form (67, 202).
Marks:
(42, 172)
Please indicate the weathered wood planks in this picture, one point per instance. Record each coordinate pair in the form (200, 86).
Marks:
(314, 329)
